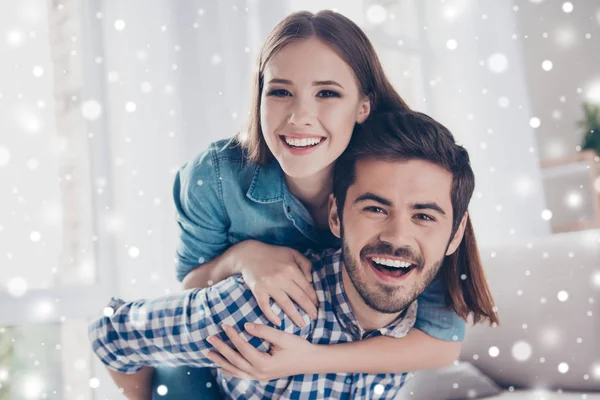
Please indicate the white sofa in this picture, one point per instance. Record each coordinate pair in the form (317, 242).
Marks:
(547, 291)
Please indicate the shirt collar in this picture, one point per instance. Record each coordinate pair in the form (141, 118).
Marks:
(267, 183)
(343, 310)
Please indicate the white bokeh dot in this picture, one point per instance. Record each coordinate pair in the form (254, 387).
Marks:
(119, 24)
(33, 164)
(201, 260)
(521, 350)
(534, 122)
(113, 77)
(162, 390)
(596, 371)
(563, 368)
(134, 252)
(574, 200)
(547, 215)
(200, 182)
(17, 286)
(494, 351)
(130, 106)
(33, 387)
(14, 38)
(91, 109)
(497, 63)
(4, 156)
(596, 279)
(378, 389)
(547, 65)
(108, 311)
(562, 296)
(35, 236)
(94, 383)
(38, 71)
(146, 87)
(451, 44)
(376, 14)
(567, 7)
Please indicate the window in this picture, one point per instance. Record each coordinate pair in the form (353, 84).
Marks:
(52, 190)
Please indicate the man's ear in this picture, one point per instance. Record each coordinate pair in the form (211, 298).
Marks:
(364, 109)
(458, 235)
(334, 219)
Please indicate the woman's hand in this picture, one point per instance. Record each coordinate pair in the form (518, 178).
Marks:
(280, 273)
(289, 354)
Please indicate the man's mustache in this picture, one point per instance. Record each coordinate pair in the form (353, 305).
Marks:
(387, 249)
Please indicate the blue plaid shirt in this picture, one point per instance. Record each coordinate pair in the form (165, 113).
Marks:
(172, 330)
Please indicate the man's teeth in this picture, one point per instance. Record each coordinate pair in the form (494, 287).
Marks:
(302, 142)
(391, 263)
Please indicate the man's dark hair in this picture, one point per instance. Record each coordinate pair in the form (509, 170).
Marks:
(406, 135)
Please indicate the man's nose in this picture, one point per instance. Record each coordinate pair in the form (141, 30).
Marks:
(398, 231)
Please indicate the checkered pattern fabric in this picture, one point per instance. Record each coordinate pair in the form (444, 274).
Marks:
(172, 330)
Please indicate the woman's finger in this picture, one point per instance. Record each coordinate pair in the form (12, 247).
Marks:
(265, 306)
(249, 352)
(288, 307)
(231, 355)
(298, 295)
(300, 278)
(304, 264)
(228, 367)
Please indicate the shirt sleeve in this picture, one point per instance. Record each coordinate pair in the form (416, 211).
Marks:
(201, 215)
(435, 318)
(172, 330)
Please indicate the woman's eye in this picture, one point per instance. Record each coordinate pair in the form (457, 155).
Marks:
(425, 217)
(328, 93)
(375, 210)
(278, 93)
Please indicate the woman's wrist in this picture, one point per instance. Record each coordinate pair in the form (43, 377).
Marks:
(232, 262)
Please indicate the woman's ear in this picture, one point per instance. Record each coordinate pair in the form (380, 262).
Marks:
(364, 109)
(458, 235)
(334, 219)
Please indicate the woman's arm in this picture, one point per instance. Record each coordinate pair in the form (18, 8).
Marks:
(416, 351)
(216, 270)
(295, 356)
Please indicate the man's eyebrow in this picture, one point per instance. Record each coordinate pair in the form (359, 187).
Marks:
(315, 83)
(428, 206)
(372, 196)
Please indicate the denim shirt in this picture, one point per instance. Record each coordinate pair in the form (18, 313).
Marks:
(222, 199)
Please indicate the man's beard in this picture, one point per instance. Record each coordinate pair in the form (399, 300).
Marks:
(384, 298)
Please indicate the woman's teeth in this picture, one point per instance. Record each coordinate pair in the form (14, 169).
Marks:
(391, 263)
(303, 142)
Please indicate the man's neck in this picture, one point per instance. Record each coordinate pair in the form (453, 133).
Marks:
(368, 318)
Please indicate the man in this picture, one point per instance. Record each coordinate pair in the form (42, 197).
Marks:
(401, 192)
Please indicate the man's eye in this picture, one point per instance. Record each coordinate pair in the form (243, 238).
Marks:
(278, 93)
(328, 93)
(375, 210)
(425, 217)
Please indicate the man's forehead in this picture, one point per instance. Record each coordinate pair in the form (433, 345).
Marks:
(405, 178)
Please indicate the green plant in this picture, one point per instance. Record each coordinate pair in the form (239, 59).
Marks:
(591, 127)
